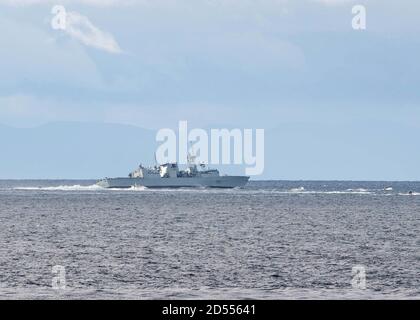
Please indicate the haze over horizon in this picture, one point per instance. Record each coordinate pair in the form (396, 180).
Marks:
(86, 102)
(84, 150)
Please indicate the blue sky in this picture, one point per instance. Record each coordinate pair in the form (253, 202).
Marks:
(261, 64)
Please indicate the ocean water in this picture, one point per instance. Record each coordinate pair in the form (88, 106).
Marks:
(270, 240)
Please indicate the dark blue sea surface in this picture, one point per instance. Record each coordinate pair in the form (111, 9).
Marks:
(272, 239)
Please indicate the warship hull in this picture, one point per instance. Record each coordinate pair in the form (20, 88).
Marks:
(192, 182)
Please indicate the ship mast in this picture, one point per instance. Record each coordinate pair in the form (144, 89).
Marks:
(191, 156)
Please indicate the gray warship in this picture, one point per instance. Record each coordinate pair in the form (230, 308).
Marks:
(169, 175)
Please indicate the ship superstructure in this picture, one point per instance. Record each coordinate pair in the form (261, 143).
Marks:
(169, 175)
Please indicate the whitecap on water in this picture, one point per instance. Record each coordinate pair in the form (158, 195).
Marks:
(300, 189)
(357, 190)
(410, 194)
(76, 187)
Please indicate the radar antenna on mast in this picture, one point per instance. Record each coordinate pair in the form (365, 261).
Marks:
(191, 156)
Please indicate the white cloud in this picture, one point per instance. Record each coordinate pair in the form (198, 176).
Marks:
(82, 29)
(106, 3)
(334, 2)
(99, 3)
(337, 3)
(29, 54)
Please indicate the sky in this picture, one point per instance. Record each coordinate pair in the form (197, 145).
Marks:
(271, 64)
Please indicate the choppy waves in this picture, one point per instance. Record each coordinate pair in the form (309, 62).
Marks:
(61, 188)
(209, 293)
(302, 190)
(269, 240)
(250, 190)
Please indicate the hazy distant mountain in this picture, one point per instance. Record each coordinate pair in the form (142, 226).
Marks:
(88, 150)
(356, 151)
(73, 150)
